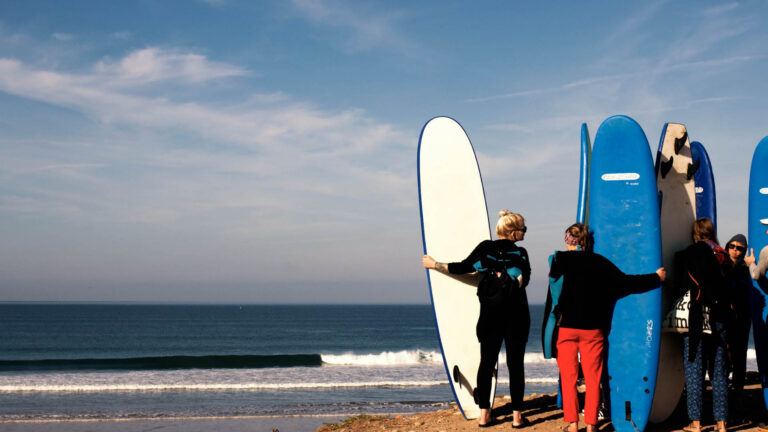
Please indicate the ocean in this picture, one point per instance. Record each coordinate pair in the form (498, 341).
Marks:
(126, 361)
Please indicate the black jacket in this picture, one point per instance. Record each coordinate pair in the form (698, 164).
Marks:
(591, 286)
(701, 268)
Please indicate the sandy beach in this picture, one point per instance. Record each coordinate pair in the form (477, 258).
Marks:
(544, 416)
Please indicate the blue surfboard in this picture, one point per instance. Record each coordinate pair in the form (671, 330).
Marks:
(624, 217)
(582, 208)
(704, 179)
(555, 285)
(758, 239)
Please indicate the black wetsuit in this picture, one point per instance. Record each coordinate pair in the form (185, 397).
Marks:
(508, 322)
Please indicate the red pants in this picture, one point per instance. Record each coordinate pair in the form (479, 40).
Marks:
(589, 343)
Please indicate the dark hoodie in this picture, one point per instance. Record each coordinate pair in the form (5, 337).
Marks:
(740, 282)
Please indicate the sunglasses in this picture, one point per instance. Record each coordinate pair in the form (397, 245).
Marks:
(523, 229)
(738, 248)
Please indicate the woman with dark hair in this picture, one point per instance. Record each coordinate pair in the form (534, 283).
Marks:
(591, 286)
(503, 318)
(702, 268)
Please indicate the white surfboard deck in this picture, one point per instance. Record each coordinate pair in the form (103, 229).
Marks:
(678, 212)
(454, 220)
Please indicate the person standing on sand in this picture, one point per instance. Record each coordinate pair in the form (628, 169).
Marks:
(738, 330)
(504, 319)
(702, 268)
(591, 286)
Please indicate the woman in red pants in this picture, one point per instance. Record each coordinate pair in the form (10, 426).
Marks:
(591, 286)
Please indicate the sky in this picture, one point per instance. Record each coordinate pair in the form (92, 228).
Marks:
(265, 151)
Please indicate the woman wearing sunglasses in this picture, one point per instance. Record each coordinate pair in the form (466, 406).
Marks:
(502, 317)
(738, 330)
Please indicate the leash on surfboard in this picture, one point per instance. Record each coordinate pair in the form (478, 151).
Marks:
(628, 415)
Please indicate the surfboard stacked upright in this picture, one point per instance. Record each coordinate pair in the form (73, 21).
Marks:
(661, 202)
(454, 219)
(757, 226)
(623, 215)
(640, 213)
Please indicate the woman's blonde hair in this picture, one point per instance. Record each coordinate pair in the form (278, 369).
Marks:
(508, 223)
(703, 229)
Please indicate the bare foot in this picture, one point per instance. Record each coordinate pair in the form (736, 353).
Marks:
(485, 417)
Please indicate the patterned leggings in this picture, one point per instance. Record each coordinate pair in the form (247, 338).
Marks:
(713, 345)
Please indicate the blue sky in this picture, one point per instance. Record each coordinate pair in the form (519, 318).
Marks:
(235, 151)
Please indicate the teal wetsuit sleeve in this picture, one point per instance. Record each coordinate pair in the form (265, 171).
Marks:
(525, 269)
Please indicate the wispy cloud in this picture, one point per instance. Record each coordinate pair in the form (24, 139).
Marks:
(720, 9)
(122, 35)
(567, 86)
(62, 36)
(630, 31)
(364, 30)
(151, 65)
(284, 152)
(701, 65)
(258, 126)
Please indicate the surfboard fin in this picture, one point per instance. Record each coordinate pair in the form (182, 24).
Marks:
(680, 142)
(692, 168)
(664, 167)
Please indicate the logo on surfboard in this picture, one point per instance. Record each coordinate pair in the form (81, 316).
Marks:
(620, 176)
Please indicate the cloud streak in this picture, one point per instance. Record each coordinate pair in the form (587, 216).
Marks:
(367, 30)
(277, 144)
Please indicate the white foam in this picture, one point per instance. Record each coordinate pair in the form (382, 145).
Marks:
(411, 357)
(208, 387)
(388, 358)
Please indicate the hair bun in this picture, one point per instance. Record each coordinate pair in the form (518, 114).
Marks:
(504, 213)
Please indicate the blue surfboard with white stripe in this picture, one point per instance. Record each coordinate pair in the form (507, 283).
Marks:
(704, 180)
(757, 226)
(624, 217)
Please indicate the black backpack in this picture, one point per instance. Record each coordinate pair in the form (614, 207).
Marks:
(496, 285)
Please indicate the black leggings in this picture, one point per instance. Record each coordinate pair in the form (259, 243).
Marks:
(738, 341)
(514, 339)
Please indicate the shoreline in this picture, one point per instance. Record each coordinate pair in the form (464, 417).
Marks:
(540, 410)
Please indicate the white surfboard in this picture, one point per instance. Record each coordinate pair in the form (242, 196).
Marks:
(678, 212)
(454, 219)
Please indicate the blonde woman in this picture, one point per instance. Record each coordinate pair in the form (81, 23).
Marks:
(504, 317)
